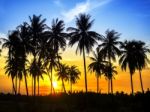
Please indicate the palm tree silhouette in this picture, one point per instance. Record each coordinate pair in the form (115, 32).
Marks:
(10, 70)
(57, 36)
(57, 40)
(12, 62)
(141, 58)
(73, 73)
(51, 62)
(97, 65)
(36, 69)
(26, 46)
(62, 74)
(109, 48)
(128, 58)
(109, 72)
(84, 38)
(37, 34)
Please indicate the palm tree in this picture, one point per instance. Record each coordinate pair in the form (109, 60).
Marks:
(141, 58)
(51, 62)
(13, 45)
(109, 72)
(62, 74)
(37, 34)
(73, 73)
(109, 48)
(128, 58)
(57, 39)
(36, 69)
(57, 36)
(26, 47)
(10, 70)
(97, 65)
(84, 38)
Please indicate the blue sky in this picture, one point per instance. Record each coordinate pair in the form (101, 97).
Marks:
(131, 18)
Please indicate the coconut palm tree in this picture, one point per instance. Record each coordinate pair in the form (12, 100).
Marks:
(57, 36)
(62, 74)
(51, 62)
(128, 58)
(97, 65)
(56, 40)
(13, 46)
(36, 69)
(26, 47)
(37, 33)
(73, 73)
(10, 70)
(84, 38)
(109, 47)
(141, 58)
(37, 29)
(109, 72)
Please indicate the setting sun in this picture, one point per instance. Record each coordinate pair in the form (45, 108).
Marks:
(55, 84)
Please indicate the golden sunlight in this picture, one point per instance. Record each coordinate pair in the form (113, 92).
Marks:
(55, 85)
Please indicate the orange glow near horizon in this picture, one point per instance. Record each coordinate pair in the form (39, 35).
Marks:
(120, 83)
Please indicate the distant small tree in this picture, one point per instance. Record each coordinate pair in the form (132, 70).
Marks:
(73, 73)
(62, 74)
(97, 65)
(109, 72)
(109, 48)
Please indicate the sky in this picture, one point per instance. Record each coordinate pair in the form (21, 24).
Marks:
(131, 18)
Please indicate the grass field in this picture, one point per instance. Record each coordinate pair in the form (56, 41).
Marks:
(76, 102)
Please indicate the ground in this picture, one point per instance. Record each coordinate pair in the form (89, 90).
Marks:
(76, 102)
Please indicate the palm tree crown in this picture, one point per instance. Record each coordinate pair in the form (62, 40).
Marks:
(109, 45)
(62, 74)
(73, 73)
(128, 58)
(97, 65)
(57, 35)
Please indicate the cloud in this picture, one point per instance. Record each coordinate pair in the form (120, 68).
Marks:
(2, 35)
(58, 3)
(83, 7)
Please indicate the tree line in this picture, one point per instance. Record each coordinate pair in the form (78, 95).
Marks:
(43, 43)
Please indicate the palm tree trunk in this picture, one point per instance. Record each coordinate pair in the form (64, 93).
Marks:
(34, 85)
(63, 85)
(131, 84)
(85, 76)
(14, 90)
(51, 80)
(38, 80)
(111, 80)
(16, 84)
(97, 84)
(19, 86)
(53, 90)
(70, 86)
(108, 86)
(141, 81)
(26, 84)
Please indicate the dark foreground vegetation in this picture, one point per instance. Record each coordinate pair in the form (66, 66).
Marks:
(76, 102)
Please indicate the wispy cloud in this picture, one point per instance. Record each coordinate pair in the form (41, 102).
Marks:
(83, 7)
(58, 3)
(2, 35)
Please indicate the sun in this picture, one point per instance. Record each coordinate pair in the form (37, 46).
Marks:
(55, 84)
